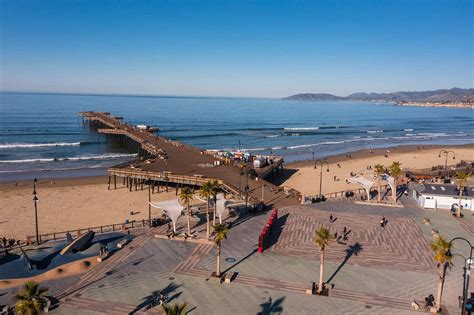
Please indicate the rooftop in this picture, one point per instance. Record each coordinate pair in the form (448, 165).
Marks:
(443, 190)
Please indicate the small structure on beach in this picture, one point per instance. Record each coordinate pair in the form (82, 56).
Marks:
(443, 196)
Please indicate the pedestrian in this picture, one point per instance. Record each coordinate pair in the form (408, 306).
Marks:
(344, 231)
(382, 222)
(335, 235)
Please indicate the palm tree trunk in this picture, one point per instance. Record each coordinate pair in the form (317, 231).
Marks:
(215, 210)
(439, 291)
(394, 191)
(207, 218)
(218, 270)
(379, 195)
(458, 212)
(321, 269)
(189, 223)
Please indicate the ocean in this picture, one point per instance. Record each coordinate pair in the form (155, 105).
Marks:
(42, 135)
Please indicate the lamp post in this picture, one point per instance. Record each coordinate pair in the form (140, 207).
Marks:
(446, 153)
(35, 200)
(467, 266)
(321, 164)
(149, 204)
(241, 172)
(247, 191)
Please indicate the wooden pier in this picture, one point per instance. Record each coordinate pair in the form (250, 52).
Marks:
(166, 163)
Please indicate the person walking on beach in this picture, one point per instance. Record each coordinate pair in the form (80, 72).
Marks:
(382, 222)
(331, 218)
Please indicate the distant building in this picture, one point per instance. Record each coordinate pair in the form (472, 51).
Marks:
(443, 196)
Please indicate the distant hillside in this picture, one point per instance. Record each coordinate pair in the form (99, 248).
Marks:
(439, 96)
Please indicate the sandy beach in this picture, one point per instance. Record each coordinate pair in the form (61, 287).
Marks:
(304, 178)
(69, 204)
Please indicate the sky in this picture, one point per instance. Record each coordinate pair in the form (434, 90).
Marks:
(235, 48)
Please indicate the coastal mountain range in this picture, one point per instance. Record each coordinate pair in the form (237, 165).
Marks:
(437, 96)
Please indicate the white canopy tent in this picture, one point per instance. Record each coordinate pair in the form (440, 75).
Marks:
(172, 208)
(391, 183)
(367, 184)
(221, 204)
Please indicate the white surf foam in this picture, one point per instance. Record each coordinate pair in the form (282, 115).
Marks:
(35, 145)
(77, 158)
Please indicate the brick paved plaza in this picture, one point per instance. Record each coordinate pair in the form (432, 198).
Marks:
(374, 271)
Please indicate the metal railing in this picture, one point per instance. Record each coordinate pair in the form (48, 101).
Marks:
(97, 229)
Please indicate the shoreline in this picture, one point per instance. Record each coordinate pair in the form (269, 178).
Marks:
(99, 176)
(365, 153)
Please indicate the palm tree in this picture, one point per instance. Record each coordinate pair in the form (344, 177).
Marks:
(176, 309)
(462, 179)
(205, 192)
(186, 195)
(395, 171)
(322, 238)
(221, 230)
(443, 258)
(214, 186)
(379, 170)
(31, 299)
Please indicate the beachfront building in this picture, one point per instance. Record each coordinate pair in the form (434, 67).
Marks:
(443, 196)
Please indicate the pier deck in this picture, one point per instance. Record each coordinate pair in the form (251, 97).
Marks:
(181, 164)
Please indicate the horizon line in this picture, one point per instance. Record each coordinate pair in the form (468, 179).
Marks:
(135, 95)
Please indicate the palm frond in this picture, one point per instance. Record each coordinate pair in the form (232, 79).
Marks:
(322, 238)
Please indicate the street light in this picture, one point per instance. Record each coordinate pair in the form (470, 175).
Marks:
(247, 188)
(149, 203)
(446, 153)
(35, 201)
(465, 285)
(321, 162)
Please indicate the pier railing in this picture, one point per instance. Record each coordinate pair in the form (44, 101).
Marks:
(159, 176)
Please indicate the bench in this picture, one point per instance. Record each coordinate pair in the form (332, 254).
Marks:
(103, 257)
(229, 277)
(123, 242)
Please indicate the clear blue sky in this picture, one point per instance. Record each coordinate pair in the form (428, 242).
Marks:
(235, 48)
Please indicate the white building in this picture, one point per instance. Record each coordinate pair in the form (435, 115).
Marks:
(443, 196)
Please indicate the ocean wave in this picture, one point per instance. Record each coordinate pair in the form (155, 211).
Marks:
(311, 128)
(374, 131)
(408, 129)
(36, 145)
(301, 129)
(273, 136)
(213, 135)
(48, 169)
(77, 158)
